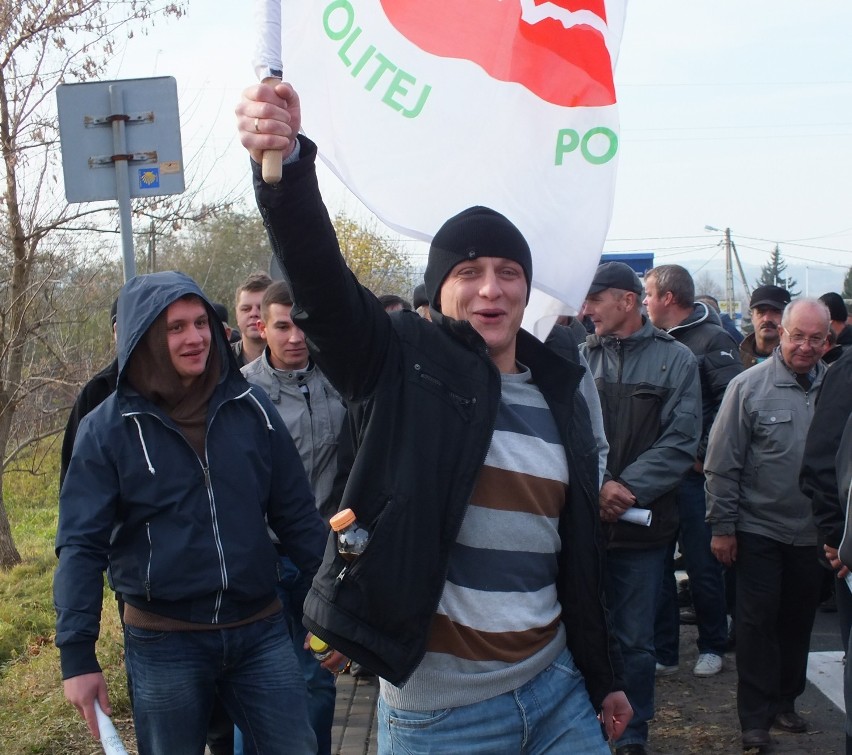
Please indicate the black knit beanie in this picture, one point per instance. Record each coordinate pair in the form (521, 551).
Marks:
(474, 232)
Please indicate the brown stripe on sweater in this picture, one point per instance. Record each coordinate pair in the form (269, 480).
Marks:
(504, 490)
(509, 647)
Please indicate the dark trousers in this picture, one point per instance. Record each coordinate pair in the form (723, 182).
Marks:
(706, 580)
(777, 596)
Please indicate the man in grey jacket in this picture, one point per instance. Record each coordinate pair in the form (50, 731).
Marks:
(762, 521)
(314, 414)
(651, 399)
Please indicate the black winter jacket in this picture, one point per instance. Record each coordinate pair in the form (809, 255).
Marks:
(650, 394)
(92, 395)
(718, 361)
(822, 460)
(425, 397)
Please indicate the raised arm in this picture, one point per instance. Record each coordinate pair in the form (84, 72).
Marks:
(348, 331)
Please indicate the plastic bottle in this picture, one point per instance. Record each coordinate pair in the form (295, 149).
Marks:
(352, 537)
(320, 648)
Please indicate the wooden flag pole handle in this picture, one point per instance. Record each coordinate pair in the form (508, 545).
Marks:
(272, 158)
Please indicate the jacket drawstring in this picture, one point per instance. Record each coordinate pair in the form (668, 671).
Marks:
(144, 447)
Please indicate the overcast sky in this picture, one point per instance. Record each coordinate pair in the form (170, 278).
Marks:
(733, 114)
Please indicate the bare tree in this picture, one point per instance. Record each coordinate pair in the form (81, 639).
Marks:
(378, 261)
(43, 44)
(706, 284)
(218, 251)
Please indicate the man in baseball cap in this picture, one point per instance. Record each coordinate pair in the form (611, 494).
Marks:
(651, 398)
(767, 305)
(615, 275)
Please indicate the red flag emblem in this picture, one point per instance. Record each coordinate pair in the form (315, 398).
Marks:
(554, 48)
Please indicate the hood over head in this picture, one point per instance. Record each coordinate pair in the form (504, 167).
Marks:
(143, 298)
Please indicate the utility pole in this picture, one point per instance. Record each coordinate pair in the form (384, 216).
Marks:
(729, 275)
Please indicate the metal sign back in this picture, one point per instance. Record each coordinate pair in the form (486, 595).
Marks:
(152, 144)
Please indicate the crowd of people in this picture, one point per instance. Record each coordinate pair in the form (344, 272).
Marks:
(525, 501)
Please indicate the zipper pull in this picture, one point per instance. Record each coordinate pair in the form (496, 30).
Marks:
(338, 581)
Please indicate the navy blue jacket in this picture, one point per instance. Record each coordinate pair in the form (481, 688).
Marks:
(184, 537)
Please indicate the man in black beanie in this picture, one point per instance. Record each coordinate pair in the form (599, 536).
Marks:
(841, 331)
(480, 591)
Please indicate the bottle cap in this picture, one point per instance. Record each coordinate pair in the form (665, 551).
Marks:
(318, 645)
(342, 519)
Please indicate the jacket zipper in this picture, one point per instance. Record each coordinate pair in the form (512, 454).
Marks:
(217, 539)
(150, 559)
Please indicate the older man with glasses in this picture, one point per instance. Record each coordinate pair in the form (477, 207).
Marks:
(763, 522)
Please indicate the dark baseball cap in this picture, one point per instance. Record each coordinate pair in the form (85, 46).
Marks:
(770, 296)
(615, 275)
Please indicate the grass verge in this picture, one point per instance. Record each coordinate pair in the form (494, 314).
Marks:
(35, 719)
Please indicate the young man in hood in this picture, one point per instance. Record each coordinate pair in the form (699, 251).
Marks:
(479, 598)
(152, 490)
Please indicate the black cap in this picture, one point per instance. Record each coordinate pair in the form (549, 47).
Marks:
(770, 296)
(836, 306)
(474, 232)
(419, 298)
(615, 275)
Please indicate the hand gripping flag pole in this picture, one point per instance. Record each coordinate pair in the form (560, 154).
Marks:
(269, 69)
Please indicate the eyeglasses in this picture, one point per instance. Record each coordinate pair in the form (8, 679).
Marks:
(800, 340)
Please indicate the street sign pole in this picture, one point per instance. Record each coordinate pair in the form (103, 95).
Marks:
(122, 179)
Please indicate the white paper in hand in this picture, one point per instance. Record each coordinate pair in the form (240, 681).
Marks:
(110, 740)
(637, 516)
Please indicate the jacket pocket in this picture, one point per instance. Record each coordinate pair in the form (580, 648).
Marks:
(458, 398)
(775, 428)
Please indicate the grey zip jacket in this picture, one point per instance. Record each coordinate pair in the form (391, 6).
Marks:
(314, 414)
(754, 454)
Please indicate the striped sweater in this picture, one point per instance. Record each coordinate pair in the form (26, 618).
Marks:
(498, 620)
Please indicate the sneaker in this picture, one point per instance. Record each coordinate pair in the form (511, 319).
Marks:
(663, 670)
(708, 664)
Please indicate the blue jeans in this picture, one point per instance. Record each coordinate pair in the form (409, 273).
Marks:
(175, 674)
(633, 579)
(549, 714)
(706, 580)
(319, 682)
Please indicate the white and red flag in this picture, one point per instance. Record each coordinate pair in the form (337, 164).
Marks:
(426, 107)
